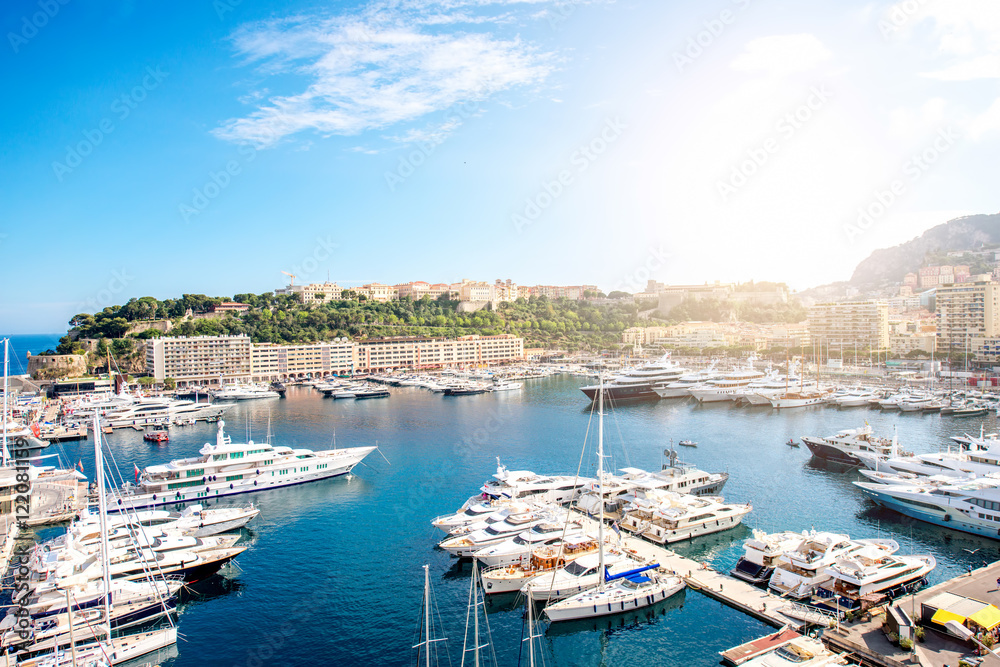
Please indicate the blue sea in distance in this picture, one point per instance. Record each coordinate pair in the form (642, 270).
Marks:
(333, 573)
(22, 344)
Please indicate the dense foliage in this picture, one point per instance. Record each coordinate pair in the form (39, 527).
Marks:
(284, 319)
(716, 310)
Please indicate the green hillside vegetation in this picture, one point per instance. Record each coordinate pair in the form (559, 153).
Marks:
(284, 319)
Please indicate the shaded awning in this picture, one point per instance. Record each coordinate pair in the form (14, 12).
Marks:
(988, 617)
(942, 616)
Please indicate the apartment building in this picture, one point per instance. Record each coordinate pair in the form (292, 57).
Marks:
(221, 359)
(849, 324)
(200, 359)
(315, 292)
(376, 292)
(269, 361)
(966, 311)
(574, 292)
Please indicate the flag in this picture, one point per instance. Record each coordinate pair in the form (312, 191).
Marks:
(80, 465)
(136, 473)
(36, 429)
(614, 527)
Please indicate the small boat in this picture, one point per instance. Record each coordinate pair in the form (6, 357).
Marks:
(740, 654)
(687, 443)
(156, 436)
(791, 443)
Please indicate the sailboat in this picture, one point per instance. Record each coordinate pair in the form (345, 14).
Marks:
(615, 593)
(427, 646)
(111, 650)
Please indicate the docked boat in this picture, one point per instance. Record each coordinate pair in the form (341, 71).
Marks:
(971, 506)
(870, 571)
(544, 559)
(727, 387)
(800, 399)
(761, 552)
(799, 573)
(845, 446)
(527, 485)
(682, 386)
(466, 544)
(627, 591)
(639, 383)
(517, 549)
(226, 469)
(665, 517)
(799, 652)
(244, 392)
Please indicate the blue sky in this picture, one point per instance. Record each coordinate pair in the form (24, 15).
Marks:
(207, 146)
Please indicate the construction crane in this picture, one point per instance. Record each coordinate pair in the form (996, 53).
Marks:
(290, 276)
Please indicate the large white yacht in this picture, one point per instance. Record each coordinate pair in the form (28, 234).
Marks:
(682, 386)
(226, 469)
(799, 573)
(639, 383)
(132, 411)
(244, 392)
(982, 458)
(971, 505)
(848, 445)
(761, 552)
(526, 485)
(870, 570)
(728, 386)
(665, 517)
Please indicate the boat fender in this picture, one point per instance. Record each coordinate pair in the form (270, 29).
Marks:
(154, 496)
(119, 501)
(258, 471)
(208, 489)
(230, 487)
(947, 517)
(255, 482)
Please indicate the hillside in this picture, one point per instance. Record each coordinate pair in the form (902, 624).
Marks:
(891, 264)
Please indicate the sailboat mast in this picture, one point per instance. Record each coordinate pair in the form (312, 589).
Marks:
(531, 633)
(600, 480)
(475, 611)
(427, 616)
(6, 362)
(103, 508)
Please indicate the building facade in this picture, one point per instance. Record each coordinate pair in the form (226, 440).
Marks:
(315, 292)
(966, 311)
(850, 324)
(199, 359)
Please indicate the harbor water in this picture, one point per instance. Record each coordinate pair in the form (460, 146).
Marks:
(334, 570)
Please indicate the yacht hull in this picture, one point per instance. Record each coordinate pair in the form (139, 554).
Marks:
(822, 450)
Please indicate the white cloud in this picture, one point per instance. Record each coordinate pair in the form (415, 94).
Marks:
(980, 67)
(779, 55)
(986, 124)
(914, 124)
(378, 69)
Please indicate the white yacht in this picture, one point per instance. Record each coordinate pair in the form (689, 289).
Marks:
(627, 591)
(543, 559)
(979, 460)
(848, 445)
(857, 398)
(161, 410)
(682, 386)
(728, 386)
(799, 652)
(466, 544)
(676, 478)
(799, 573)
(578, 575)
(639, 383)
(526, 485)
(244, 392)
(517, 549)
(870, 570)
(226, 469)
(971, 506)
(801, 398)
(665, 517)
(761, 552)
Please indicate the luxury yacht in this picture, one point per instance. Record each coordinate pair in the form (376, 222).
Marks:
(799, 652)
(226, 469)
(578, 575)
(526, 485)
(665, 517)
(626, 591)
(543, 559)
(681, 387)
(799, 573)
(640, 383)
(466, 544)
(870, 570)
(971, 506)
(761, 552)
(244, 392)
(846, 446)
(728, 386)
(517, 549)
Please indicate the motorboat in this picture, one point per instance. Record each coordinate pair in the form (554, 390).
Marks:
(665, 517)
(971, 505)
(799, 573)
(548, 558)
(847, 445)
(761, 552)
(639, 383)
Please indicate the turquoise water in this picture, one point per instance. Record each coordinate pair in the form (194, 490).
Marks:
(333, 574)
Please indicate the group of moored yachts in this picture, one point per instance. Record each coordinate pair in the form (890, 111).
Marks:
(958, 488)
(106, 591)
(830, 570)
(530, 534)
(664, 378)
